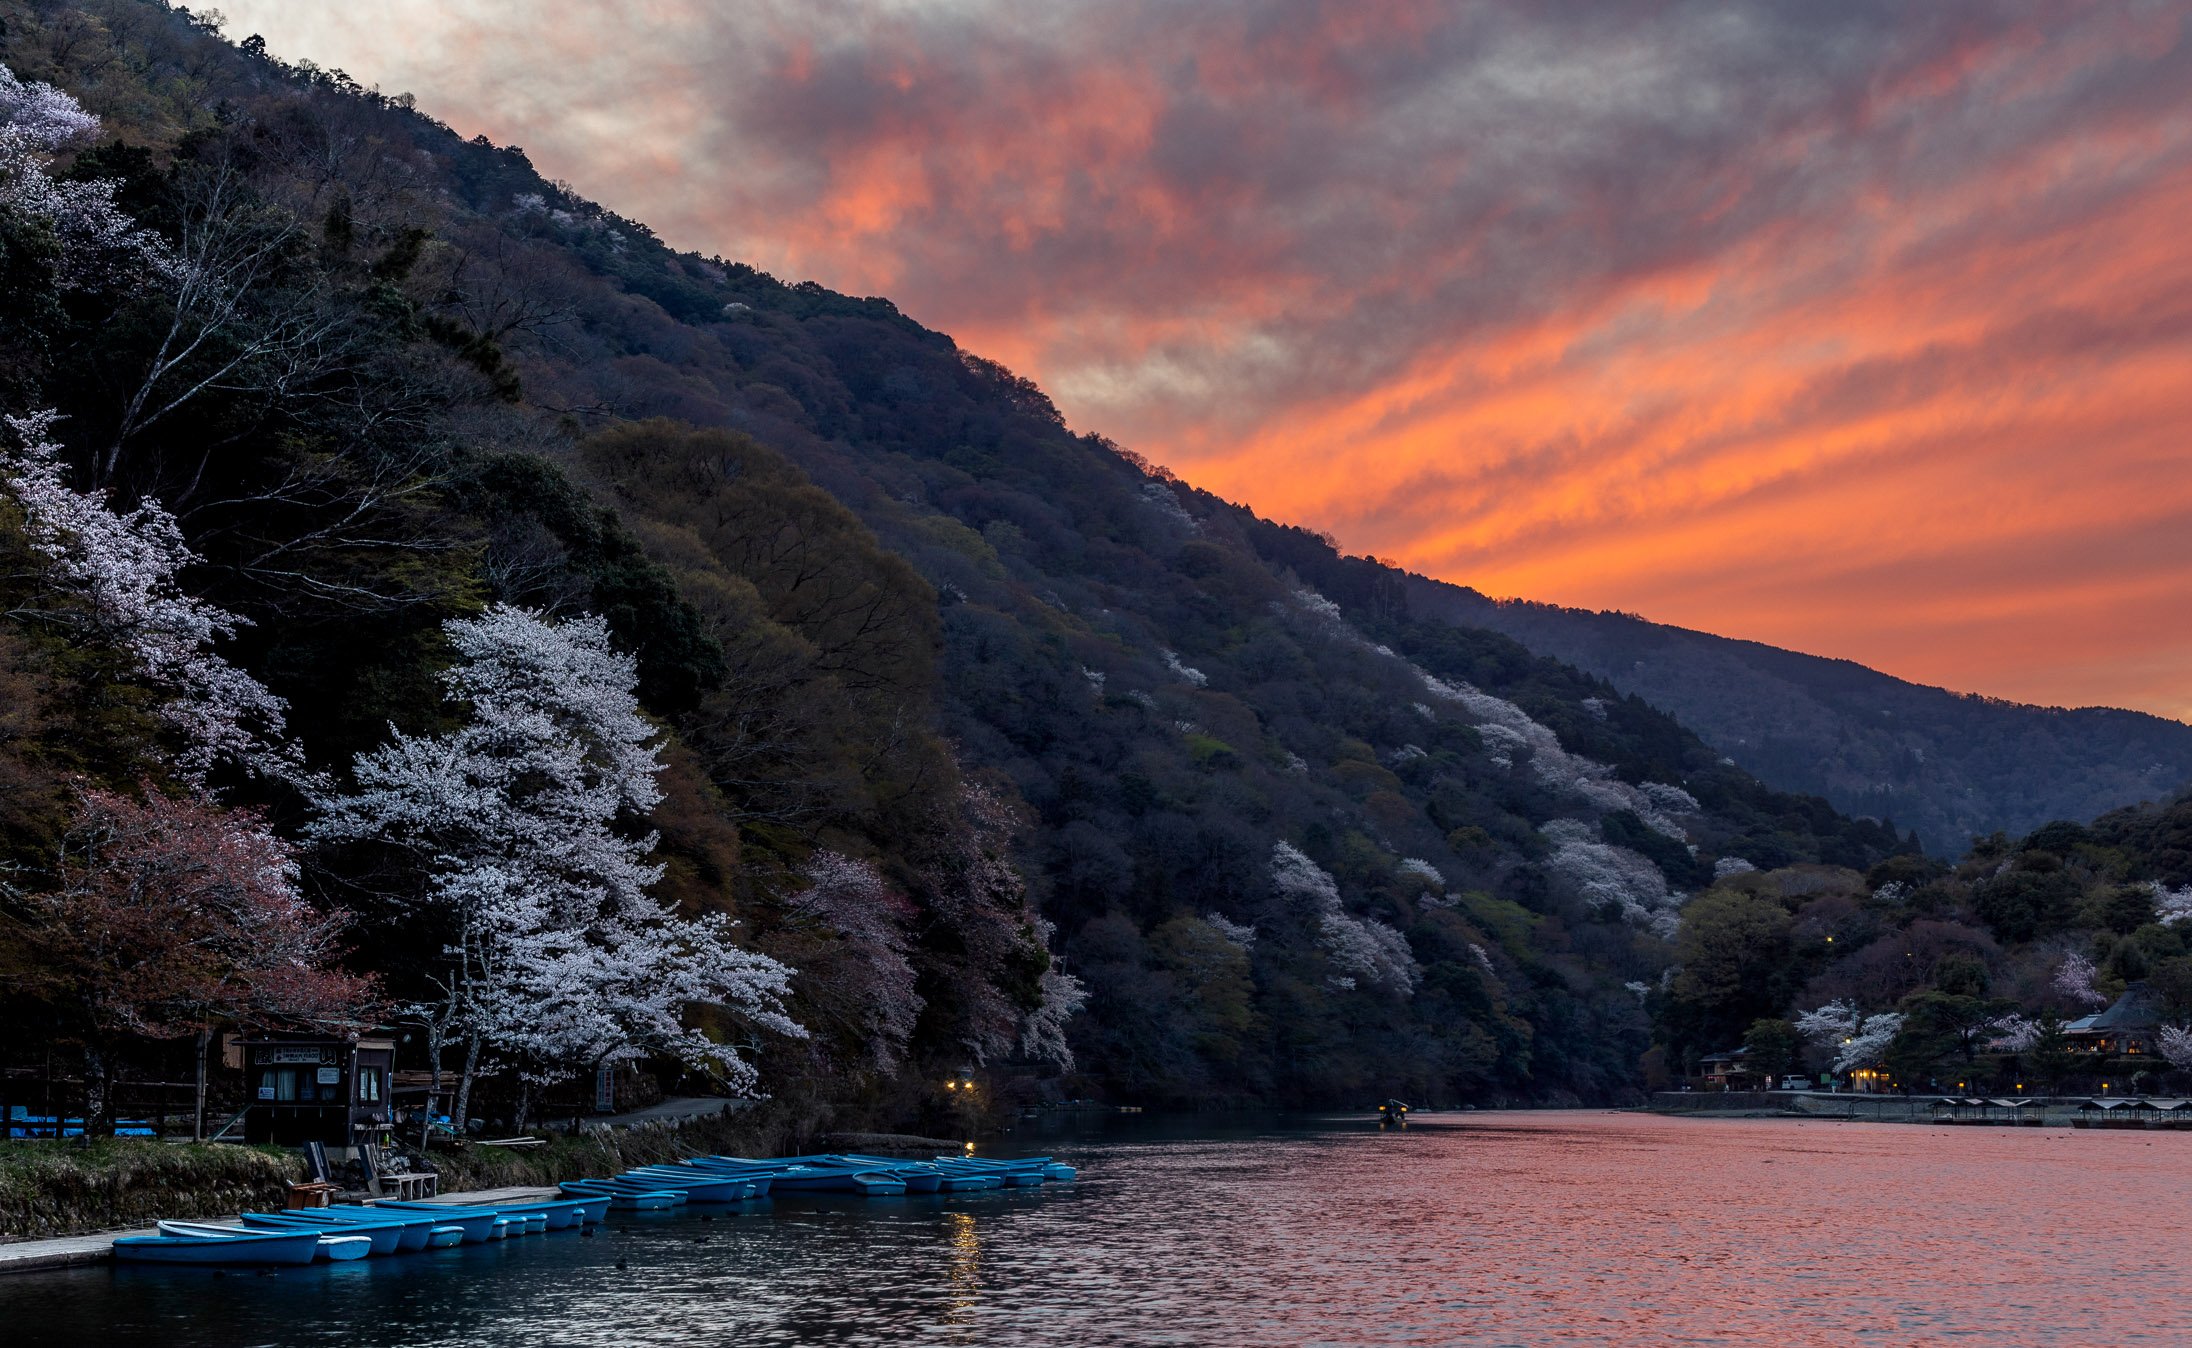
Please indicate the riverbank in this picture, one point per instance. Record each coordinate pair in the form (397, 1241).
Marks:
(2024, 1111)
(33, 1256)
(51, 1191)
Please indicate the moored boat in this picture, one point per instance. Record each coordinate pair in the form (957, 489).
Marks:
(335, 1247)
(383, 1237)
(248, 1247)
(623, 1198)
(476, 1227)
(519, 1220)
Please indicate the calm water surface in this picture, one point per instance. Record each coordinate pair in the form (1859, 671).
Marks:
(1547, 1228)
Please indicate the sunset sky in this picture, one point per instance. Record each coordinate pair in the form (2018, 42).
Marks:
(1863, 329)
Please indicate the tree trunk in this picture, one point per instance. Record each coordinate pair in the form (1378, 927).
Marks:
(98, 1098)
(197, 1127)
(434, 1032)
(525, 1102)
(459, 1116)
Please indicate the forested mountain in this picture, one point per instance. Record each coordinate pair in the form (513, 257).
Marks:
(1000, 747)
(1952, 767)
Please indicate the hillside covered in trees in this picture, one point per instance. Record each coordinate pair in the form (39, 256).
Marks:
(1951, 767)
(584, 651)
(1966, 975)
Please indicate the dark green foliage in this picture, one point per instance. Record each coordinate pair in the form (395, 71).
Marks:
(1773, 1047)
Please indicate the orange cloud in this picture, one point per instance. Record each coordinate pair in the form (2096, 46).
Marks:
(1864, 329)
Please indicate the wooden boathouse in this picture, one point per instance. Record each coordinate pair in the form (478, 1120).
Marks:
(329, 1089)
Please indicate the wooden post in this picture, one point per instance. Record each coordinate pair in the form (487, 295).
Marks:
(197, 1113)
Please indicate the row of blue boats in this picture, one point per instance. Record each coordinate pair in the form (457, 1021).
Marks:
(344, 1232)
(734, 1179)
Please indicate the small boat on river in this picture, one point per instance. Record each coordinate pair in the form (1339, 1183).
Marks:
(383, 1237)
(252, 1247)
(336, 1247)
(624, 1197)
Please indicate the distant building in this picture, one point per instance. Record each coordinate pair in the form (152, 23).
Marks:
(2126, 1029)
(1729, 1070)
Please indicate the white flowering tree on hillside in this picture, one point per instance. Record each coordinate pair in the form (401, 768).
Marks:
(868, 980)
(97, 244)
(1361, 950)
(525, 819)
(2075, 979)
(1854, 1040)
(123, 566)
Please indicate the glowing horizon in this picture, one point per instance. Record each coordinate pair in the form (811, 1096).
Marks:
(1865, 332)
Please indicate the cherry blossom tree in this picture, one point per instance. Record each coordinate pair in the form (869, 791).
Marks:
(977, 904)
(2074, 979)
(123, 565)
(2014, 1033)
(1361, 950)
(171, 917)
(525, 820)
(1855, 1041)
(2174, 1042)
(1043, 1033)
(2171, 906)
(98, 243)
(1607, 876)
(873, 978)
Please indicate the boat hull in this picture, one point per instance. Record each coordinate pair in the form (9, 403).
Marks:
(270, 1248)
(381, 1239)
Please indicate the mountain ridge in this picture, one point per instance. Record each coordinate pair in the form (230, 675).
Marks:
(1954, 766)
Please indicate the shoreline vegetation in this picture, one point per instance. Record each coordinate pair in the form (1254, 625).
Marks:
(50, 1189)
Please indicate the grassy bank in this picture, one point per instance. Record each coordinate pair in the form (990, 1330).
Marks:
(50, 1189)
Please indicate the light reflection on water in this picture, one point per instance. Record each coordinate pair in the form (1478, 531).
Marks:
(1568, 1228)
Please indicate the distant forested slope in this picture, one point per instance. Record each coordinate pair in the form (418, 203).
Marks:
(1951, 766)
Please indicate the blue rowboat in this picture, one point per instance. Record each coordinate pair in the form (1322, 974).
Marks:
(383, 1238)
(1010, 1174)
(817, 1174)
(559, 1213)
(415, 1227)
(335, 1247)
(698, 1186)
(967, 1183)
(522, 1221)
(476, 1227)
(873, 1183)
(623, 1198)
(581, 1211)
(442, 1237)
(920, 1177)
(255, 1247)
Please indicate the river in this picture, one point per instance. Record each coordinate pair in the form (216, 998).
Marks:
(1488, 1228)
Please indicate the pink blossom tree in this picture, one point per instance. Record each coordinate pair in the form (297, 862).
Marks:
(171, 917)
